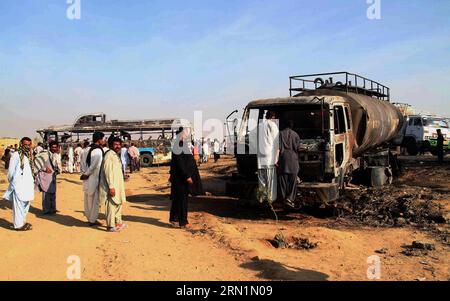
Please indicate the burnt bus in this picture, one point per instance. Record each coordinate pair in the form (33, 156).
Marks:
(151, 136)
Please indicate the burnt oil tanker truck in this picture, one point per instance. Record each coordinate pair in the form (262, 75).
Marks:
(345, 123)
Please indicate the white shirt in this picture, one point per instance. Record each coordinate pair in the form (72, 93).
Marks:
(57, 161)
(71, 154)
(93, 171)
(206, 148)
(39, 149)
(268, 143)
(216, 147)
(124, 155)
(21, 182)
(78, 152)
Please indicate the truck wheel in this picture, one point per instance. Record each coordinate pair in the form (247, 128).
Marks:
(146, 160)
(411, 148)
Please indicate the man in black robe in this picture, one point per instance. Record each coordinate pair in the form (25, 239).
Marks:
(181, 172)
(288, 164)
(196, 189)
(440, 147)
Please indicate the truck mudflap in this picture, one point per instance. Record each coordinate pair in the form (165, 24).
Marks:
(313, 193)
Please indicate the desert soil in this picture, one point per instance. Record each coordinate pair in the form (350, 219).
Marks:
(227, 242)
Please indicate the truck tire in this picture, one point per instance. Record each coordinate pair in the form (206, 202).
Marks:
(411, 147)
(146, 160)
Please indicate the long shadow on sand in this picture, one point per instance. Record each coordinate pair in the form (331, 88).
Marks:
(6, 205)
(146, 220)
(221, 207)
(70, 181)
(272, 270)
(138, 219)
(65, 220)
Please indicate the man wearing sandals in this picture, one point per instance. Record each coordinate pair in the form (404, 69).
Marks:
(21, 184)
(112, 185)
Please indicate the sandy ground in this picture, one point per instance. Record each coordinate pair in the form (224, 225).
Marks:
(228, 242)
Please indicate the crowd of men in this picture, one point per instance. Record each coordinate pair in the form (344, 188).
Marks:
(103, 168)
(36, 171)
(201, 149)
(129, 156)
(103, 171)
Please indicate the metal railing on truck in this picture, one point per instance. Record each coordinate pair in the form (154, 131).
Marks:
(339, 81)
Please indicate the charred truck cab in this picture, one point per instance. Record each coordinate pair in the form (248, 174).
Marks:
(345, 128)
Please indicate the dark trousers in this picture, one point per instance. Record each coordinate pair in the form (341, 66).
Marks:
(287, 187)
(216, 157)
(48, 202)
(134, 166)
(179, 208)
(440, 156)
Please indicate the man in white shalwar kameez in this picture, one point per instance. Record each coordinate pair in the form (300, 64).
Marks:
(21, 184)
(112, 186)
(91, 176)
(268, 152)
(71, 161)
(78, 150)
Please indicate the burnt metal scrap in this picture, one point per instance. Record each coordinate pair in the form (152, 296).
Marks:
(393, 206)
(154, 135)
(97, 122)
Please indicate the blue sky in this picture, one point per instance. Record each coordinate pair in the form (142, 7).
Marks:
(158, 59)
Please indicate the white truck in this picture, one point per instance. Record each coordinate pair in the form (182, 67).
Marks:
(420, 134)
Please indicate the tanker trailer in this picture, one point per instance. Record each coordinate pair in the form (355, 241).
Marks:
(345, 128)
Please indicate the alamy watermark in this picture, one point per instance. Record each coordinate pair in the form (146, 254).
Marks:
(73, 11)
(249, 135)
(374, 9)
(74, 269)
(374, 269)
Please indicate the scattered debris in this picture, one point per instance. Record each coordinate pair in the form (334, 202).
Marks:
(418, 248)
(300, 243)
(423, 246)
(279, 241)
(303, 243)
(381, 251)
(392, 206)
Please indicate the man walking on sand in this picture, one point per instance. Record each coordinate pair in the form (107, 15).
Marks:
(133, 151)
(440, 147)
(125, 158)
(112, 186)
(216, 149)
(21, 184)
(78, 150)
(71, 159)
(91, 176)
(47, 166)
(83, 157)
